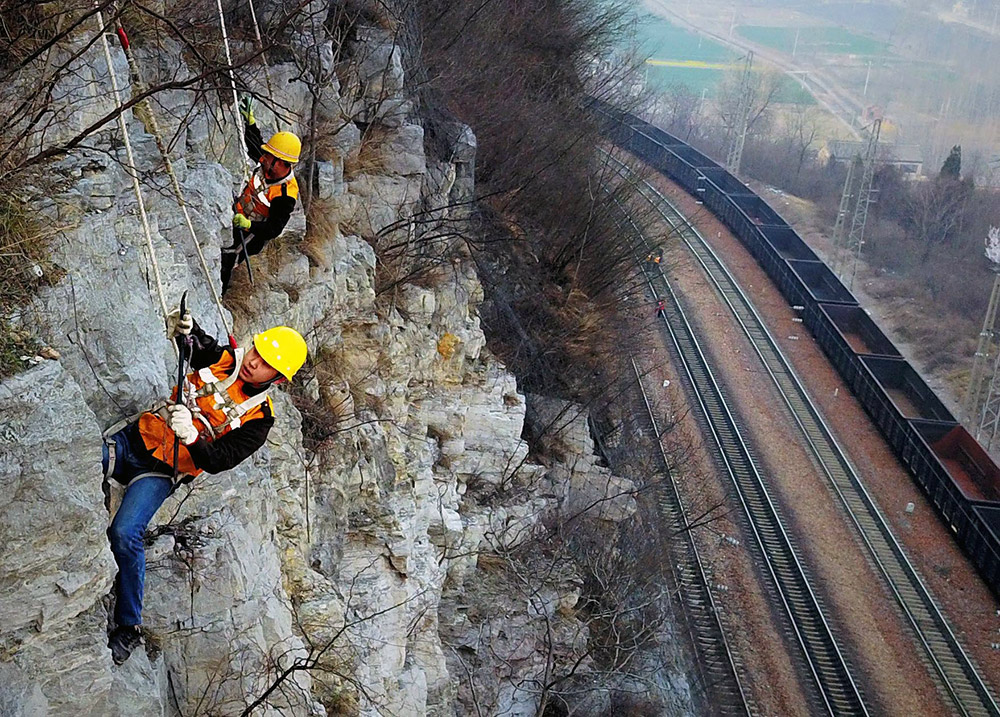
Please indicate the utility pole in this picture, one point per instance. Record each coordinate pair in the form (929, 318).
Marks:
(735, 155)
(982, 399)
(856, 238)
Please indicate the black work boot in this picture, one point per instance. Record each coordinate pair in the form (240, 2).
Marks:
(123, 640)
(228, 264)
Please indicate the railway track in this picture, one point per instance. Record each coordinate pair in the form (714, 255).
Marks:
(836, 691)
(719, 672)
(957, 677)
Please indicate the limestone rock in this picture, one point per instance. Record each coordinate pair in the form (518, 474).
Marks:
(416, 303)
(403, 151)
(382, 200)
(377, 70)
(331, 179)
(57, 563)
(83, 96)
(56, 555)
(562, 429)
(20, 695)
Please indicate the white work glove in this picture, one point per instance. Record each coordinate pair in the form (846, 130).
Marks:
(180, 422)
(178, 325)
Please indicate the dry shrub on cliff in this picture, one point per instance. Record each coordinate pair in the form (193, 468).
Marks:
(24, 267)
(43, 45)
(24, 29)
(598, 599)
(553, 262)
(368, 158)
(556, 313)
(516, 71)
(624, 704)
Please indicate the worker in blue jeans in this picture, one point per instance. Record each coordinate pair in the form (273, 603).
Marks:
(225, 418)
(149, 483)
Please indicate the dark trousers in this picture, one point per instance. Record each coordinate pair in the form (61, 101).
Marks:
(233, 255)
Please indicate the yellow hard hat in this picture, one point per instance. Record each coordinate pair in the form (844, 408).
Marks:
(284, 145)
(283, 348)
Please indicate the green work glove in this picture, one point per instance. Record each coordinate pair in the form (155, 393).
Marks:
(241, 221)
(246, 109)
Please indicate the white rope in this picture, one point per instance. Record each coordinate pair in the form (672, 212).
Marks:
(155, 129)
(263, 59)
(133, 172)
(232, 84)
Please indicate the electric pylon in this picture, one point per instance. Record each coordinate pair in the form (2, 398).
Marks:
(982, 399)
(735, 155)
(845, 206)
(856, 238)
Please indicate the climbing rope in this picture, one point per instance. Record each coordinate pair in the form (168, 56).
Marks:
(263, 59)
(133, 172)
(151, 124)
(232, 84)
(144, 110)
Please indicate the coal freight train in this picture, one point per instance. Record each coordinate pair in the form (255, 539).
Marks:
(954, 471)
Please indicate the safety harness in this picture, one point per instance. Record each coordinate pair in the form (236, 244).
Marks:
(254, 202)
(210, 386)
(112, 458)
(218, 389)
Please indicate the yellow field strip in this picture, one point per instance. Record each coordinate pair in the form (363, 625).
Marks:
(696, 64)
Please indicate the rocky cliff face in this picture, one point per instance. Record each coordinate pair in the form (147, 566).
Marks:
(319, 569)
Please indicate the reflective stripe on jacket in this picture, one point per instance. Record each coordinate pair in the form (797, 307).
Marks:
(254, 202)
(219, 404)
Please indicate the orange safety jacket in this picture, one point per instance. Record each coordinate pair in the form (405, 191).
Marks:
(254, 202)
(219, 403)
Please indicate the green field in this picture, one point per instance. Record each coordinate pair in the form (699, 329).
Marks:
(699, 80)
(812, 40)
(662, 41)
(791, 92)
(657, 38)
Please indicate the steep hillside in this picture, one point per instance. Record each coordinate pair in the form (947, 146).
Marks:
(347, 566)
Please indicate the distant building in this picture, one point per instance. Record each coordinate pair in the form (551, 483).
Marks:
(991, 177)
(871, 113)
(908, 157)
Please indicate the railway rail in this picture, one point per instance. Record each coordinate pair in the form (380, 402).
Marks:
(719, 669)
(836, 692)
(956, 675)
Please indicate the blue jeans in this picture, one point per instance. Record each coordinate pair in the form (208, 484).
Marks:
(142, 499)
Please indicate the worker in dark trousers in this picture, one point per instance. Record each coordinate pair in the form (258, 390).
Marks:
(265, 204)
(224, 419)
